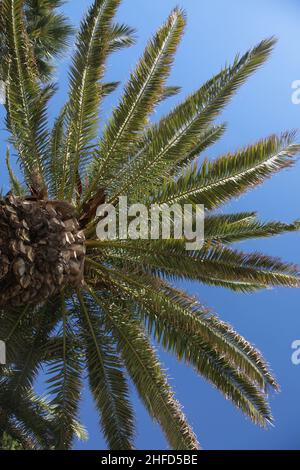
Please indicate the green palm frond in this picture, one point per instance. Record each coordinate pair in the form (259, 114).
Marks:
(121, 35)
(107, 381)
(166, 168)
(54, 169)
(230, 228)
(215, 350)
(169, 310)
(179, 132)
(15, 438)
(25, 333)
(25, 415)
(85, 92)
(212, 264)
(180, 312)
(15, 184)
(207, 139)
(31, 412)
(170, 91)
(65, 385)
(146, 373)
(28, 361)
(215, 183)
(25, 100)
(143, 91)
(49, 32)
(109, 87)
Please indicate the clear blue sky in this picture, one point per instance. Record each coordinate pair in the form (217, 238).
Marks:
(271, 320)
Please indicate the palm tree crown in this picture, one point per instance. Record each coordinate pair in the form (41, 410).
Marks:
(74, 304)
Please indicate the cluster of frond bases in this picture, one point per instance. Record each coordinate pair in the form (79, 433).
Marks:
(42, 249)
(104, 326)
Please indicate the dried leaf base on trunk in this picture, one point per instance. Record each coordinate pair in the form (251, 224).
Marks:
(41, 250)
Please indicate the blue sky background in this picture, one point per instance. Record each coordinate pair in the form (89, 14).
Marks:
(216, 31)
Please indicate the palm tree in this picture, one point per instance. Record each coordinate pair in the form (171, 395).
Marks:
(48, 31)
(74, 304)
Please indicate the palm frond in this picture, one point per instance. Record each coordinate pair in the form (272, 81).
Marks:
(16, 438)
(179, 132)
(169, 310)
(121, 35)
(15, 184)
(170, 91)
(238, 372)
(230, 228)
(110, 298)
(65, 385)
(125, 184)
(25, 332)
(145, 371)
(108, 88)
(30, 413)
(231, 175)
(49, 32)
(85, 91)
(211, 265)
(143, 91)
(106, 378)
(54, 163)
(25, 100)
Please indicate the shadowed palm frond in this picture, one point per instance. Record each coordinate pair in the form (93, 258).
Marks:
(212, 347)
(28, 418)
(65, 370)
(107, 381)
(49, 32)
(145, 371)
